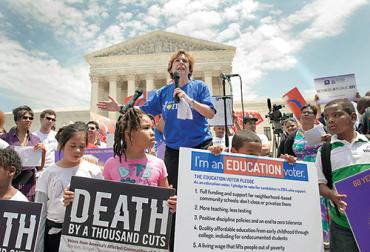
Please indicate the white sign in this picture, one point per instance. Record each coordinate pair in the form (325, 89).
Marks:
(235, 202)
(313, 136)
(219, 118)
(28, 155)
(336, 87)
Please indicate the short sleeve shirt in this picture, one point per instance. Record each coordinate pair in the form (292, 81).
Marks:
(148, 171)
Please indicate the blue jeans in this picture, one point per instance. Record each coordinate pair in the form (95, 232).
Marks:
(341, 239)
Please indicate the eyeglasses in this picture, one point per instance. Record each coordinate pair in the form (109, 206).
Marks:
(50, 119)
(91, 128)
(27, 118)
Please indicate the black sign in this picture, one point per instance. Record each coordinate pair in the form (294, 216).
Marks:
(19, 224)
(105, 212)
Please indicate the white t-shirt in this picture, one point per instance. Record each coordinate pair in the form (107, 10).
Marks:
(51, 145)
(102, 145)
(19, 197)
(3, 144)
(263, 138)
(55, 179)
(220, 141)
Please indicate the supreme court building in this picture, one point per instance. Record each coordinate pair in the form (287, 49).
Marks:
(142, 63)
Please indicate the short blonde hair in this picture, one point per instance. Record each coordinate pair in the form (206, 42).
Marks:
(177, 54)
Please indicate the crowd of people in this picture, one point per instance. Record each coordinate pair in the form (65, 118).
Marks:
(184, 110)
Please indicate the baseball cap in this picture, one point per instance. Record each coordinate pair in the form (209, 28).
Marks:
(248, 118)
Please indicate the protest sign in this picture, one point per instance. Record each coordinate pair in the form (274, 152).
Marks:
(313, 136)
(357, 189)
(106, 125)
(250, 113)
(219, 118)
(28, 155)
(95, 156)
(235, 202)
(19, 222)
(113, 216)
(295, 101)
(142, 99)
(335, 87)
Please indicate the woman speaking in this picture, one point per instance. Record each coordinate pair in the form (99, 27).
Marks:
(185, 105)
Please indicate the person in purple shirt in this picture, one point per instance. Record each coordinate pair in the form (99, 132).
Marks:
(20, 135)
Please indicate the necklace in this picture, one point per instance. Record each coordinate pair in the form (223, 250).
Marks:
(24, 141)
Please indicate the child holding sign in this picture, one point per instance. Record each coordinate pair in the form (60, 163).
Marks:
(348, 155)
(247, 142)
(133, 137)
(10, 167)
(50, 186)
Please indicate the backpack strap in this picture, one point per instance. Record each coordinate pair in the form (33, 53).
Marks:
(326, 164)
(326, 168)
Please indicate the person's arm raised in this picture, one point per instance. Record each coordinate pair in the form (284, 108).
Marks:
(111, 105)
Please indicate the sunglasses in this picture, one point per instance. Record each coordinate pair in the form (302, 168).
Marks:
(91, 128)
(27, 118)
(50, 119)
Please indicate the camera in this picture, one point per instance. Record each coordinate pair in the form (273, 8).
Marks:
(277, 117)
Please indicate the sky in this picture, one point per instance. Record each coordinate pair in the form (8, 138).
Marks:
(280, 44)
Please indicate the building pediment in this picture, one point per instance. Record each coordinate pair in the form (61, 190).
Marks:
(159, 42)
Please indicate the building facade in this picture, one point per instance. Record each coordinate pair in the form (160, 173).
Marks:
(142, 63)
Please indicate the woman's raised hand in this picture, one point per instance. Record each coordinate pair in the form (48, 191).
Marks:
(111, 105)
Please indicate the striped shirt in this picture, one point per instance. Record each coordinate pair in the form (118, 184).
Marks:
(347, 159)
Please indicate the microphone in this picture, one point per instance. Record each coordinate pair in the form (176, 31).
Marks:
(232, 75)
(228, 76)
(269, 104)
(132, 101)
(176, 78)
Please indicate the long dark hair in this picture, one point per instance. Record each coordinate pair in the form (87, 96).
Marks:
(130, 121)
(67, 132)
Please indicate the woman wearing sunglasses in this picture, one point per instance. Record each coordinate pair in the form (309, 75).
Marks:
(20, 135)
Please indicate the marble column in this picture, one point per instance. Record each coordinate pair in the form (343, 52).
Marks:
(149, 82)
(208, 81)
(112, 92)
(94, 93)
(130, 85)
(119, 93)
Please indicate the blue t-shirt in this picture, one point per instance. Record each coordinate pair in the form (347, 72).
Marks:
(181, 133)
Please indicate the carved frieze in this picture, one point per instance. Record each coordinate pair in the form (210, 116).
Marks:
(160, 44)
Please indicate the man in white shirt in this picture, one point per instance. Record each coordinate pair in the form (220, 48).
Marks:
(249, 122)
(219, 136)
(47, 135)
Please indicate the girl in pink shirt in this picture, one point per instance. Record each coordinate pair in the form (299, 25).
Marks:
(130, 163)
(133, 137)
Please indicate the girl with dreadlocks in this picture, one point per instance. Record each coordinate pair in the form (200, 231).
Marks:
(133, 138)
